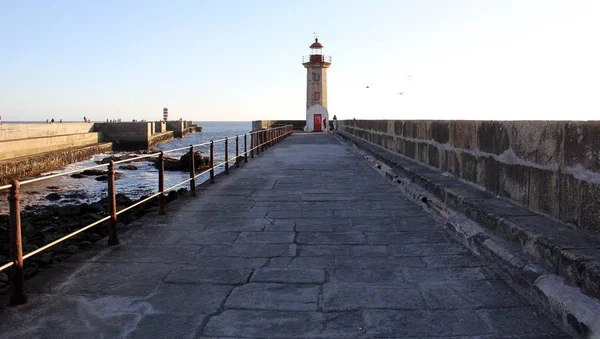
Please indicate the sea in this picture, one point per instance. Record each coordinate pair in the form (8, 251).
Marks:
(135, 183)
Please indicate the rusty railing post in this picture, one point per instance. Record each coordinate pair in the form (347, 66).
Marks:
(112, 206)
(227, 156)
(161, 183)
(237, 151)
(212, 162)
(17, 281)
(245, 147)
(252, 144)
(264, 140)
(192, 172)
(258, 142)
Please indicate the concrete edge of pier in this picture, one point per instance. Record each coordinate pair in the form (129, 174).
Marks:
(560, 279)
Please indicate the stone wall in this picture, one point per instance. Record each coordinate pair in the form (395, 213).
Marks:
(126, 135)
(10, 149)
(26, 131)
(262, 124)
(551, 167)
(34, 165)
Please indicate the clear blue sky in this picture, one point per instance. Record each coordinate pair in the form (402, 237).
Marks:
(241, 60)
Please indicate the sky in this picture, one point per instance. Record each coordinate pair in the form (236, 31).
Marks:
(242, 60)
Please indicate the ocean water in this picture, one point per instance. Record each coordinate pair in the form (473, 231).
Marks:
(135, 183)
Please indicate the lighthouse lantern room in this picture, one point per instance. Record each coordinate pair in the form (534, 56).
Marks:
(316, 65)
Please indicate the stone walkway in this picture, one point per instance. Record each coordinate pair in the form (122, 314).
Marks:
(305, 241)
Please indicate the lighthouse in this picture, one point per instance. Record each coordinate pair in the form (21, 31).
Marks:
(316, 64)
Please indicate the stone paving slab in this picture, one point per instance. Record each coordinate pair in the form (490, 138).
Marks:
(270, 252)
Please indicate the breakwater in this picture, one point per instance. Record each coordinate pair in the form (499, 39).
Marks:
(550, 167)
(31, 149)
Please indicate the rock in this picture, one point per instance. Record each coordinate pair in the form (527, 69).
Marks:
(128, 167)
(3, 259)
(46, 258)
(29, 248)
(52, 187)
(172, 195)
(53, 196)
(85, 243)
(94, 237)
(3, 278)
(71, 249)
(77, 175)
(30, 272)
(172, 165)
(199, 160)
(94, 172)
(115, 158)
(118, 176)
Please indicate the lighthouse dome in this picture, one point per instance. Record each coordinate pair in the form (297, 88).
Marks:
(316, 44)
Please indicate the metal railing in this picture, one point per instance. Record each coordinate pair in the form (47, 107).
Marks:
(260, 141)
(316, 58)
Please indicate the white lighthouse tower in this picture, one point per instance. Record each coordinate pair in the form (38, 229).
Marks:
(316, 65)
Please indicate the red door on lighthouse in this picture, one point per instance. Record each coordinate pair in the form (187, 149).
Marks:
(317, 122)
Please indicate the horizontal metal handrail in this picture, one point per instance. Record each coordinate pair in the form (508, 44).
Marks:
(267, 138)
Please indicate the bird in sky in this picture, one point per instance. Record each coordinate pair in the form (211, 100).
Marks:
(400, 93)
(367, 86)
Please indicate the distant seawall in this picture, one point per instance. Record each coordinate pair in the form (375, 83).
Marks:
(30, 149)
(550, 167)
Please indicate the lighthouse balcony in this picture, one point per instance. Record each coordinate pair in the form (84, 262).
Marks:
(316, 58)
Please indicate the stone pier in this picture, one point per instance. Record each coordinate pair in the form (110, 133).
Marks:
(304, 241)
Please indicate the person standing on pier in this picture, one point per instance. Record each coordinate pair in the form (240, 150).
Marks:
(334, 122)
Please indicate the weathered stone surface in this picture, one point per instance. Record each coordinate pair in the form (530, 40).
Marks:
(537, 141)
(589, 218)
(265, 238)
(522, 322)
(293, 276)
(447, 274)
(492, 136)
(434, 156)
(422, 149)
(237, 323)
(389, 276)
(200, 275)
(167, 326)
(514, 182)
(543, 191)
(468, 167)
(470, 294)
(352, 296)
(442, 248)
(463, 134)
(424, 131)
(582, 142)
(440, 131)
(569, 199)
(140, 279)
(249, 250)
(448, 261)
(362, 251)
(410, 149)
(427, 324)
(330, 238)
(188, 299)
(488, 173)
(385, 238)
(274, 297)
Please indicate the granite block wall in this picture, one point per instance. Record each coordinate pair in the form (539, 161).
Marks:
(551, 167)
